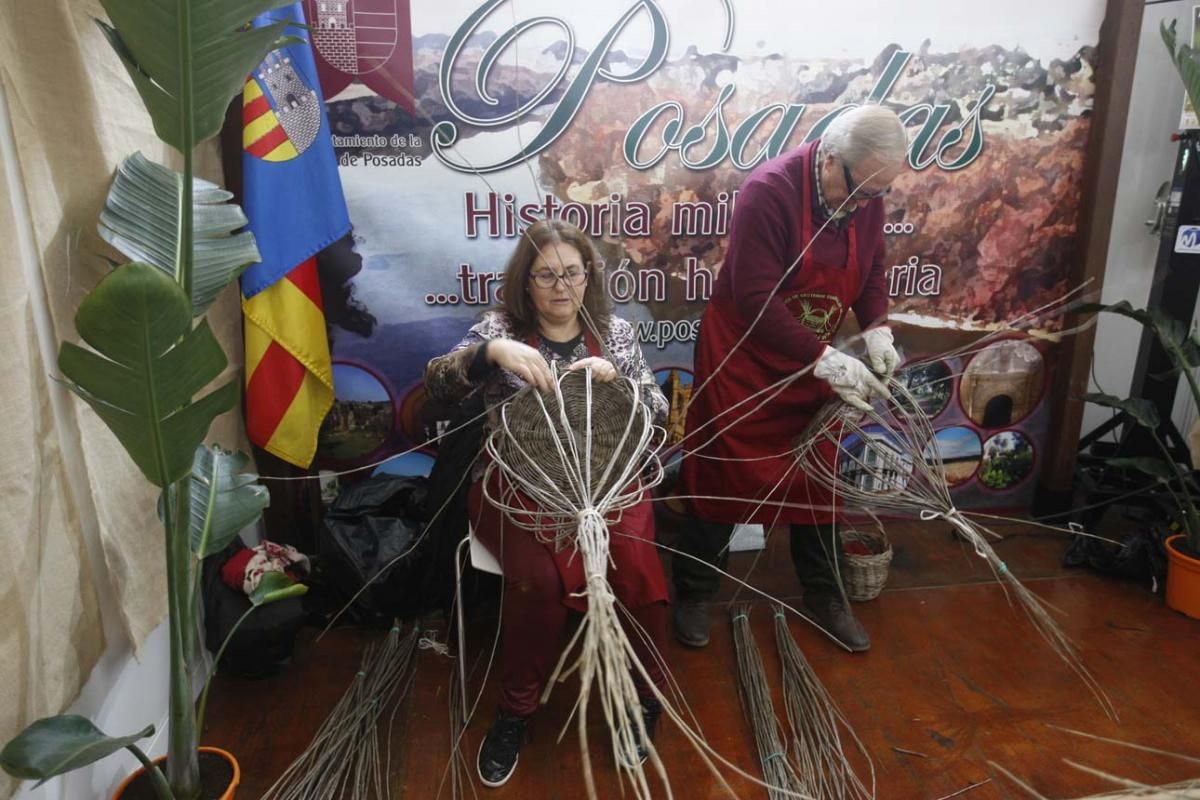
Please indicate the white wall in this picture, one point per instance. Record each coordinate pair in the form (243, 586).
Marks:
(122, 696)
(1148, 160)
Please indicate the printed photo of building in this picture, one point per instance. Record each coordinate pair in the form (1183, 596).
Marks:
(874, 463)
(930, 386)
(362, 416)
(677, 387)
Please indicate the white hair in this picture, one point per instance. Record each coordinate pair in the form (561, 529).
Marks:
(866, 132)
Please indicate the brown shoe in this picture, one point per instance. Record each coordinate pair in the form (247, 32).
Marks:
(691, 623)
(833, 613)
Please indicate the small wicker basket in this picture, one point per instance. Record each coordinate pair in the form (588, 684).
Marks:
(866, 574)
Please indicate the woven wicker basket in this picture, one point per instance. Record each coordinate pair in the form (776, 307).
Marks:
(866, 574)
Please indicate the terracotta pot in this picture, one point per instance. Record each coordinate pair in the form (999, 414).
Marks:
(1183, 579)
(229, 793)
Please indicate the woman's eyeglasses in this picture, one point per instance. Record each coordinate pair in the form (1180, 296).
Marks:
(546, 279)
(860, 194)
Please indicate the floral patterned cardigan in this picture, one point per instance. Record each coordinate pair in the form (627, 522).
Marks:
(450, 378)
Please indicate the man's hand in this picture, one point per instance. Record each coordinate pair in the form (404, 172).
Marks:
(850, 378)
(881, 351)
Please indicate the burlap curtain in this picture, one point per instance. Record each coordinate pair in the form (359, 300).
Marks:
(73, 116)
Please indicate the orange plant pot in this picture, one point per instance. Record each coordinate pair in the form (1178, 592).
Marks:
(1183, 580)
(230, 792)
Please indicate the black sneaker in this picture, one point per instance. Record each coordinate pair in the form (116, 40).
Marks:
(651, 711)
(498, 752)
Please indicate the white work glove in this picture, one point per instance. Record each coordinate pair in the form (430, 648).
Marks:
(881, 352)
(850, 378)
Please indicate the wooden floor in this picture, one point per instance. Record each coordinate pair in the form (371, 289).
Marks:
(955, 677)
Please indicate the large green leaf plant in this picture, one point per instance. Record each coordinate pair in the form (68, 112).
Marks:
(148, 355)
(1181, 345)
(1183, 348)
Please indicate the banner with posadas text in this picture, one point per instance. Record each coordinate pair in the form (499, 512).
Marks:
(459, 123)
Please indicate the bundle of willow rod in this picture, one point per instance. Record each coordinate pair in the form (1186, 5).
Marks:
(582, 454)
(781, 777)
(346, 759)
(459, 768)
(907, 476)
(816, 724)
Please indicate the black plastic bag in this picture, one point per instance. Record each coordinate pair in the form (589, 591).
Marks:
(371, 535)
(445, 509)
(1140, 555)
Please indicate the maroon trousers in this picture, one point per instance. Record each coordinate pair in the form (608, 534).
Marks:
(537, 605)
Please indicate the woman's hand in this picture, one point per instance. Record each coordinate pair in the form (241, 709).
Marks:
(602, 369)
(522, 360)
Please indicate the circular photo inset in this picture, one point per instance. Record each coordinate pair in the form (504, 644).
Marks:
(930, 386)
(874, 462)
(960, 451)
(409, 464)
(676, 385)
(1007, 460)
(423, 419)
(362, 416)
(1002, 384)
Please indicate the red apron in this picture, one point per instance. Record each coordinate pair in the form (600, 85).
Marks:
(635, 571)
(818, 295)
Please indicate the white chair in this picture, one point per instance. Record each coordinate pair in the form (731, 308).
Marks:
(482, 558)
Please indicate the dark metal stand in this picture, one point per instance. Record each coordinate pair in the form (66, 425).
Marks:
(1174, 292)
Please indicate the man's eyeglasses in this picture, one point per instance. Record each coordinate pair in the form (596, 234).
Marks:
(860, 194)
(547, 279)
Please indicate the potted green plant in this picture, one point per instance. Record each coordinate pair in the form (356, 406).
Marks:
(150, 351)
(1183, 347)
(1183, 550)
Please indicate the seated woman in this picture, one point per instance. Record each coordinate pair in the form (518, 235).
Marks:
(554, 305)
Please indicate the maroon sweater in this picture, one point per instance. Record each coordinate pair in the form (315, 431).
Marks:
(766, 238)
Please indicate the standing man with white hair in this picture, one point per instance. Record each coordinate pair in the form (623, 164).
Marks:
(742, 469)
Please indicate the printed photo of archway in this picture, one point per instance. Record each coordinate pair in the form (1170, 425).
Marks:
(1007, 460)
(362, 417)
(1003, 384)
(960, 451)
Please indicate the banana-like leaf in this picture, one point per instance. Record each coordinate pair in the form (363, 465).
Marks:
(1186, 62)
(173, 47)
(1181, 344)
(1154, 467)
(146, 364)
(273, 587)
(1121, 307)
(224, 499)
(1140, 409)
(141, 219)
(56, 745)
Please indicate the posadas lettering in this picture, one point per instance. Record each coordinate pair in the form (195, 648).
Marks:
(663, 128)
